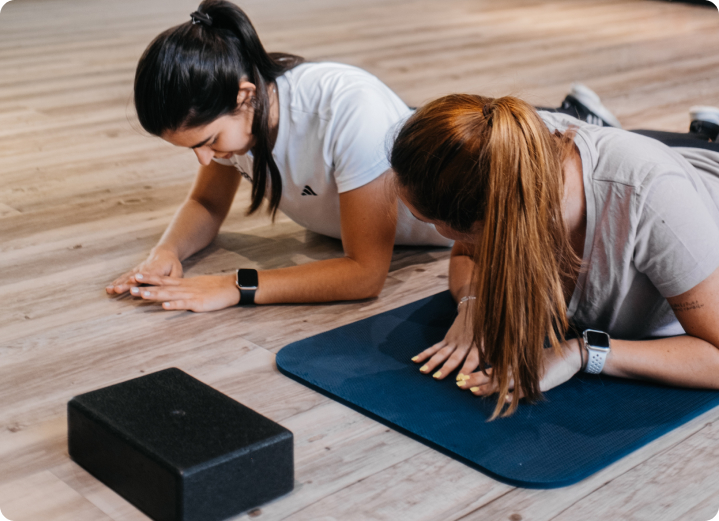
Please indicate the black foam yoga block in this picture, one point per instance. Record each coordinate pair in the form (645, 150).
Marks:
(178, 449)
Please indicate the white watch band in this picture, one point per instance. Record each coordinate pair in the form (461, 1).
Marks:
(596, 354)
(595, 361)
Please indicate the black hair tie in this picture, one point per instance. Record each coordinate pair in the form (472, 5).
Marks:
(198, 17)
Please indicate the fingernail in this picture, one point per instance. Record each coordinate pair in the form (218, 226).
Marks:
(109, 288)
(460, 377)
(474, 389)
(138, 276)
(135, 291)
(414, 358)
(460, 383)
(424, 368)
(437, 374)
(146, 294)
(465, 377)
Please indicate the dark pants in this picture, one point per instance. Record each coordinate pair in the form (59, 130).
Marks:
(676, 139)
(671, 139)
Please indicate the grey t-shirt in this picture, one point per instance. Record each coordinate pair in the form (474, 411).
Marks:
(652, 229)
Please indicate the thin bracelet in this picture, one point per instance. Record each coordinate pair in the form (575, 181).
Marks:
(463, 300)
(581, 353)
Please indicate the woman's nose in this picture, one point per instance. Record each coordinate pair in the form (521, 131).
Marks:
(204, 155)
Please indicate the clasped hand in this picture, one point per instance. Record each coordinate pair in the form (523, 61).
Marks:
(162, 274)
(161, 263)
(458, 348)
(199, 294)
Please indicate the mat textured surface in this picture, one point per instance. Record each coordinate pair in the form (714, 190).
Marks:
(581, 427)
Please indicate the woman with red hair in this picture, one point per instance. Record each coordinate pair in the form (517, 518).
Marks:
(599, 243)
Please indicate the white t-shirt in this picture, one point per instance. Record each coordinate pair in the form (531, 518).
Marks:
(652, 229)
(335, 130)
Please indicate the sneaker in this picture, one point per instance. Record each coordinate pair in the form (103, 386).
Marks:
(704, 122)
(589, 107)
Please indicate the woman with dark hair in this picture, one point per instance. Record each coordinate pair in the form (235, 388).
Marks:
(561, 225)
(310, 137)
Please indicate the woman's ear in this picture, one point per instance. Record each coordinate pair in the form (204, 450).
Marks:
(246, 92)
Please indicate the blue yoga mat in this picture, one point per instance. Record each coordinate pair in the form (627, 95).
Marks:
(583, 426)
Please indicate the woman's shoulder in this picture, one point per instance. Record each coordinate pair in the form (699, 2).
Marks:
(328, 78)
(330, 85)
(617, 156)
(326, 67)
(640, 163)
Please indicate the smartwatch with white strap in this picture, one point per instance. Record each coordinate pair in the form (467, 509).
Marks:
(598, 345)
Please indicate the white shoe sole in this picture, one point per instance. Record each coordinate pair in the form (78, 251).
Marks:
(704, 113)
(591, 100)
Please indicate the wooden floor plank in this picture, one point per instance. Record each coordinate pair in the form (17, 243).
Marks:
(111, 504)
(399, 492)
(44, 497)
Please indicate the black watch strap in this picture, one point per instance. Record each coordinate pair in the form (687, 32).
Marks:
(246, 281)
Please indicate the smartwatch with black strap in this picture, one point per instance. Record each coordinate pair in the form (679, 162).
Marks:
(246, 281)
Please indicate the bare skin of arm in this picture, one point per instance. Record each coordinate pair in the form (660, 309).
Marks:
(458, 344)
(193, 227)
(368, 223)
(690, 360)
(461, 266)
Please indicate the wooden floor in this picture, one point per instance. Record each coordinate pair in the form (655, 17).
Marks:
(84, 195)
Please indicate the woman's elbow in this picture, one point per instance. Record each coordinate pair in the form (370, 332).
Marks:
(373, 290)
(371, 286)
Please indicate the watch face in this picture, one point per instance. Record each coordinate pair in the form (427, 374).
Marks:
(247, 278)
(597, 339)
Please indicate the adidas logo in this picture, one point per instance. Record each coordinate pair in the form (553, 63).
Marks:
(308, 191)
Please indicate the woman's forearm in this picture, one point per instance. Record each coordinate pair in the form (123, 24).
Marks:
(461, 267)
(321, 281)
(192, 228)
(367, 221)
(199, 218)
(691, 360)
(682, 361)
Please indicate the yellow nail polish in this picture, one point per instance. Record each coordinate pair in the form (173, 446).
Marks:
(424, 368)
(460, 377)
(460, 383)
(465, 377)
(414, 358)
(474, 389)
(437, 374)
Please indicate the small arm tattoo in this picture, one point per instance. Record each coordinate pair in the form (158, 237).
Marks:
(687, 306)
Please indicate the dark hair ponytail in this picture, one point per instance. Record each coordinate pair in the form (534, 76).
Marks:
(190, 75)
